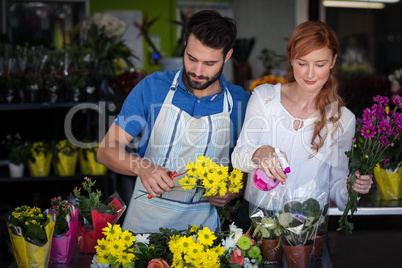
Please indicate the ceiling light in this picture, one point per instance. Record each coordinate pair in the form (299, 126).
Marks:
(354, 4)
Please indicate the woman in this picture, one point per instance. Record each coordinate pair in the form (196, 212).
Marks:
(306, 120)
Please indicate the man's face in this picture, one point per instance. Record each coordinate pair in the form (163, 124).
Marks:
(202, 65)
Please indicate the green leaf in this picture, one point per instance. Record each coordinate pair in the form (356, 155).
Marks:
(35, 232)
(293, 206)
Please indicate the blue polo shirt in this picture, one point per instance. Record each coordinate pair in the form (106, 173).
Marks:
(143, 104)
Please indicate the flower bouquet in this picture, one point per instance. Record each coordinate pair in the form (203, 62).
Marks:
(64, 236)
(267, 79)
(30, 232)
(18, 152)
(240, 249)
(87, 160)
(40, 159)
(380, 130)
(65, 155)
(94, 215)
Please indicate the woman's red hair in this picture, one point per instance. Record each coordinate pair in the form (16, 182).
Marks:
(307, 37)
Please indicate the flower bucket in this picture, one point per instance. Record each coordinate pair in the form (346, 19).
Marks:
(16, 171)
(298, 256)
(41, 166)
(28, 254)
(65, 165)
(62, 250)
(389, 183)
(88, 164)
(272, 250)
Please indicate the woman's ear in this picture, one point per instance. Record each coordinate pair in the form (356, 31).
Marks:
(334, 60)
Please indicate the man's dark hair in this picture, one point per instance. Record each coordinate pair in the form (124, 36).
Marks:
(212, 30)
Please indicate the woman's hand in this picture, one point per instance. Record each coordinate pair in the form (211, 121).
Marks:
(267, 160)
(362, 183)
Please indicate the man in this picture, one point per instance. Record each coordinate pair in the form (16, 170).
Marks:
(180, 115)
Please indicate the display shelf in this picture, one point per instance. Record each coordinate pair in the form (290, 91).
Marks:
(372, 204)
(42, 105)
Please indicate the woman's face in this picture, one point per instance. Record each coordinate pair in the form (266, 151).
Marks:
(312, 70)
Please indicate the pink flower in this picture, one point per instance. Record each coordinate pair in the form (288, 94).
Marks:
(236, 257)
(398, 101)
(158, 263)
(368, 116)
(368, 131)
(383, 140)
(381, 99)
(386, 162)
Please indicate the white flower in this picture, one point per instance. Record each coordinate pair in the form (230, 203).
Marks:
(142, 238)
(235, 232)
(229, 243)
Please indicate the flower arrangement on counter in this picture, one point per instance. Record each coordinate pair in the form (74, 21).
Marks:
(267, 79)
(380, 129)
(95, 214)
(30, 231)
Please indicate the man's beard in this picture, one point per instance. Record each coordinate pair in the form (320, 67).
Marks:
(199, 85)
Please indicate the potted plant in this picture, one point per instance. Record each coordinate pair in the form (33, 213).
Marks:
(267, 232)
(300, 221)
(88, 162)
(75, 82)
(65, 155)
(40, 159)
(18, 152)
(94, 214)
(30, 231)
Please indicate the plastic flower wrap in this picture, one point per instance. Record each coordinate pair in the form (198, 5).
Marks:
(87, 160)
(31, 233)
(65, 232)
(240, 249)
(380, 130)
(40, 159)
(94, 215)
(65, 155)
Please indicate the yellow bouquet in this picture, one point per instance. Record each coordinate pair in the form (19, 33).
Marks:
(31, 233)
(267, 79)
(87, 160)
(65, 155)
(40, 159)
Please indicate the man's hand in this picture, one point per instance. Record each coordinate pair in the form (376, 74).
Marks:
(155, 178)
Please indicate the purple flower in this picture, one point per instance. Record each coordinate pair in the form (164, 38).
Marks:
(384, 127)
(381, 99)
(368, 131)
(367, 116)
(398, 101)
(354, 139)
(379, 111)
(397, 120)
(383, 140)
(386, 162)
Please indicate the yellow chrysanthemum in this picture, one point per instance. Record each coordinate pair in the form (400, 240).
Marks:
(192, 169)
(125, 258)
(116, 247)
(128, 238)
(235, 187)
(102, 246)
(112, 232)
(185, 243)
(187, 183)
(210, 259)
(206, 237)
(194, 228)
(103, 258)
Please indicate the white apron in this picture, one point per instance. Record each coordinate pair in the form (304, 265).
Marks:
(176, 139)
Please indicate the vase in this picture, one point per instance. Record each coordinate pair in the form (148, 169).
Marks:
(75, 95)
(16, 171)
(54, 94)
(10, 95)
(318, 246)
(298, 256)
(272, 250)
(92, 91)
(389, 183)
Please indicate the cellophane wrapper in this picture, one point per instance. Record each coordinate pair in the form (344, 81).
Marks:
(65, 165)
(88, 234)
(31, 254)
(62, 250)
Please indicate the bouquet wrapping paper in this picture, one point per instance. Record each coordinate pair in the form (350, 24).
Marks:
(29, 255)
(88, 235)
(65, 166)
(62, 250)
(41, 166)
(389, 183)
(89, 165)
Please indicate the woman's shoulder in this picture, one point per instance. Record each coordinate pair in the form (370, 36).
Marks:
(268, 90)
(347, 117)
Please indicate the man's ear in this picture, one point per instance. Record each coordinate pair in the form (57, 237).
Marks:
(228, 55)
